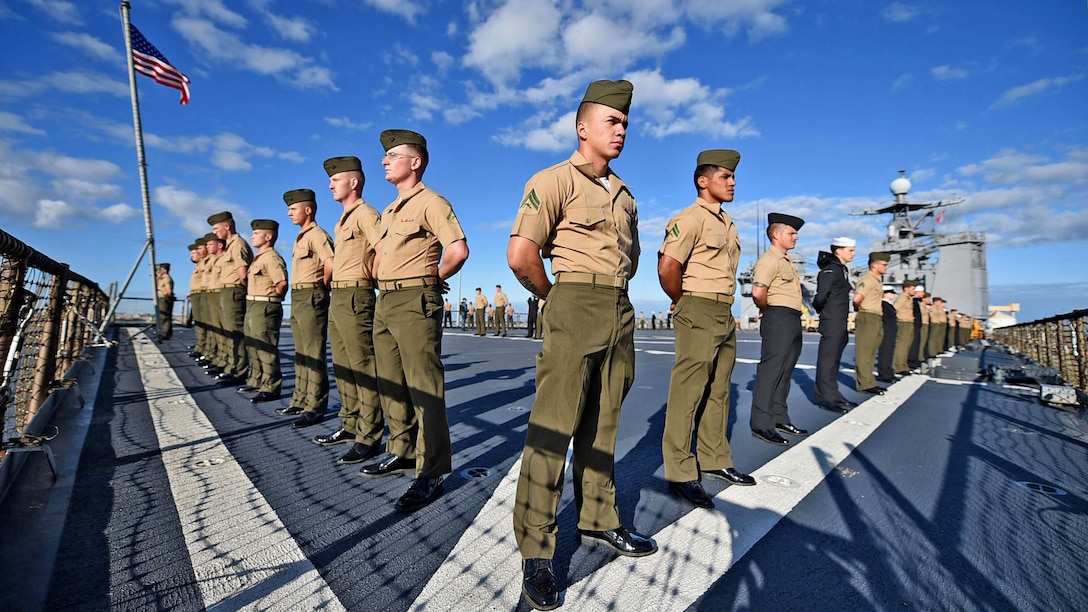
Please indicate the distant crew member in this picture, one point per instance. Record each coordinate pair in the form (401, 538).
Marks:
(531, 316)
(583, 217)
(501, 302)
(422, 245)
(265, 287)
(776, 291)
(462, 313)
(833, 298)
(921, 328)
(311, 273)
(954, 320)
(938, 327)
(214, 288)
(869, 330)
(447, 316)
(904, 335)
(164, 294)
(481, 312)
(197, 253)
(885, 373)
(233, 266)
(697, 269)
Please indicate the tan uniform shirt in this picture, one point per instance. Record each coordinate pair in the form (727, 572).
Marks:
(236, 254)
(774, 269)
(703, 238)
(904, 307)
(415, 228)
(211, 273)
(481, 301)
(500, 299)
(357, 232)
(164, 286)
(922, 308)
(937, 316)
(581, 225)
(871, 289)
(266, 271)
(312, 247)
(196, 279)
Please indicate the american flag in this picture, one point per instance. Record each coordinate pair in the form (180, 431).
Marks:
(150, 62)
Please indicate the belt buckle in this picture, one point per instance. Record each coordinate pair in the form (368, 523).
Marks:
(398, 284)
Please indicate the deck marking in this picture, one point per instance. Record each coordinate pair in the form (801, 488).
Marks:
(483, 571)
(242, 555)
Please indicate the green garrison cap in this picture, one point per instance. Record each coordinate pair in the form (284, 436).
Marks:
(336, 165)
(722, 158)
(265, 224)
(193, 247)
(164, 266)
(301, 195)
(201, 241)
(790, 220)
(220, 217)
(879, 256)
(939, 299)
(616, 94)
(392, 138)
(910, 282)
(211, 236)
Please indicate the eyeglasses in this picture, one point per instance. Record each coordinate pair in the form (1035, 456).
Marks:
(392, 156)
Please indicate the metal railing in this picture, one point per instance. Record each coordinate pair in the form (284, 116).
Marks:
(48, 315)
(1057, 342)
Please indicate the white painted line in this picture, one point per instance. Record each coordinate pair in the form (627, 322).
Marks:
(242, 554)
(483, 571)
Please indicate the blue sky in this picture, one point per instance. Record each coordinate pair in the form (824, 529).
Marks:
(826, 100)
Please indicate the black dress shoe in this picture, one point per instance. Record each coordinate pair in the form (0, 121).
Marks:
(874, 390)
(289, 411)
(791, 429)
(626, 543)
(359, 453)
(423, 491)
(692, 491)
(732, 475)
(246, 389)
(264, 396)
(389, 466)
(307, 419)
(770, 436)
(832, 407)
(891, 380)
(848, 403)
(339, 436)
(539, 584)
(228, 381)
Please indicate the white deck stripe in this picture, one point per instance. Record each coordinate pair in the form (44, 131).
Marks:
(483, 571)
(242, 555)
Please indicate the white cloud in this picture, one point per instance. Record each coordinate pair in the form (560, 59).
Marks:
(294, 29)
(899, 12)
(89, 45)
(192, 209)
(212, 9)
(948, 73)
(408, 9)
(442, 60)
(683, 106)
(542, 133)
(519, 34)
(284, 65)
(10, 122)
(76, 168)
(69, 82)
(1017, 94)
(52, 214)
(347, 124)
(757, 17)
(902, 82)
(118, 213)
(64, 12)
(597, 39)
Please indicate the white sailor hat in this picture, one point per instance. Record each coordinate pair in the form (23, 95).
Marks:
(843, 241)
(888, 288)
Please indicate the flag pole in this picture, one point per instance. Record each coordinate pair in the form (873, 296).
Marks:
(137, 126)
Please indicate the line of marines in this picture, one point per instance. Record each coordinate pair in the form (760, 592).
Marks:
(375, 288)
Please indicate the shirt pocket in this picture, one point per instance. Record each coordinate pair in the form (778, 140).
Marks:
(585, 216)
(407, 229)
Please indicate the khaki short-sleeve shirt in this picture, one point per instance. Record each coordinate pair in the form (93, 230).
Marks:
(215, 282)
(871, 289)
(357, 233)
(312, 247)
(415, 228)
(904, 307)
(579, 223)
(922, 308)
(164, 286)
(500, 299)
(196, 279)
(266, 271)
(704, 239)
(775, 270)
(236, 254)
(481, 301)
(937, 316)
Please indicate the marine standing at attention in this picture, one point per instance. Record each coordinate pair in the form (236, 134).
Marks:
(776, 290)
(481, 312)
(265, 287)
(311, 273)
(213, 288)
(904, 335)
(530, 320)
(868, 324)
(421, 246)
(583, 217)
(233, 266)
(697, 269)
(197, 253)
(500, 311)
(351, 315)
(164, 294)
(832, 302)
(938, 327)
(885, 373)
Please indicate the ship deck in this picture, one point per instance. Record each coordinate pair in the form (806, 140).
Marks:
(176, 494)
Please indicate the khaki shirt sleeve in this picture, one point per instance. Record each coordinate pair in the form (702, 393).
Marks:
(766, 269)
(369, 223)
(541, 206)
(440, 219)
(680, 235)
